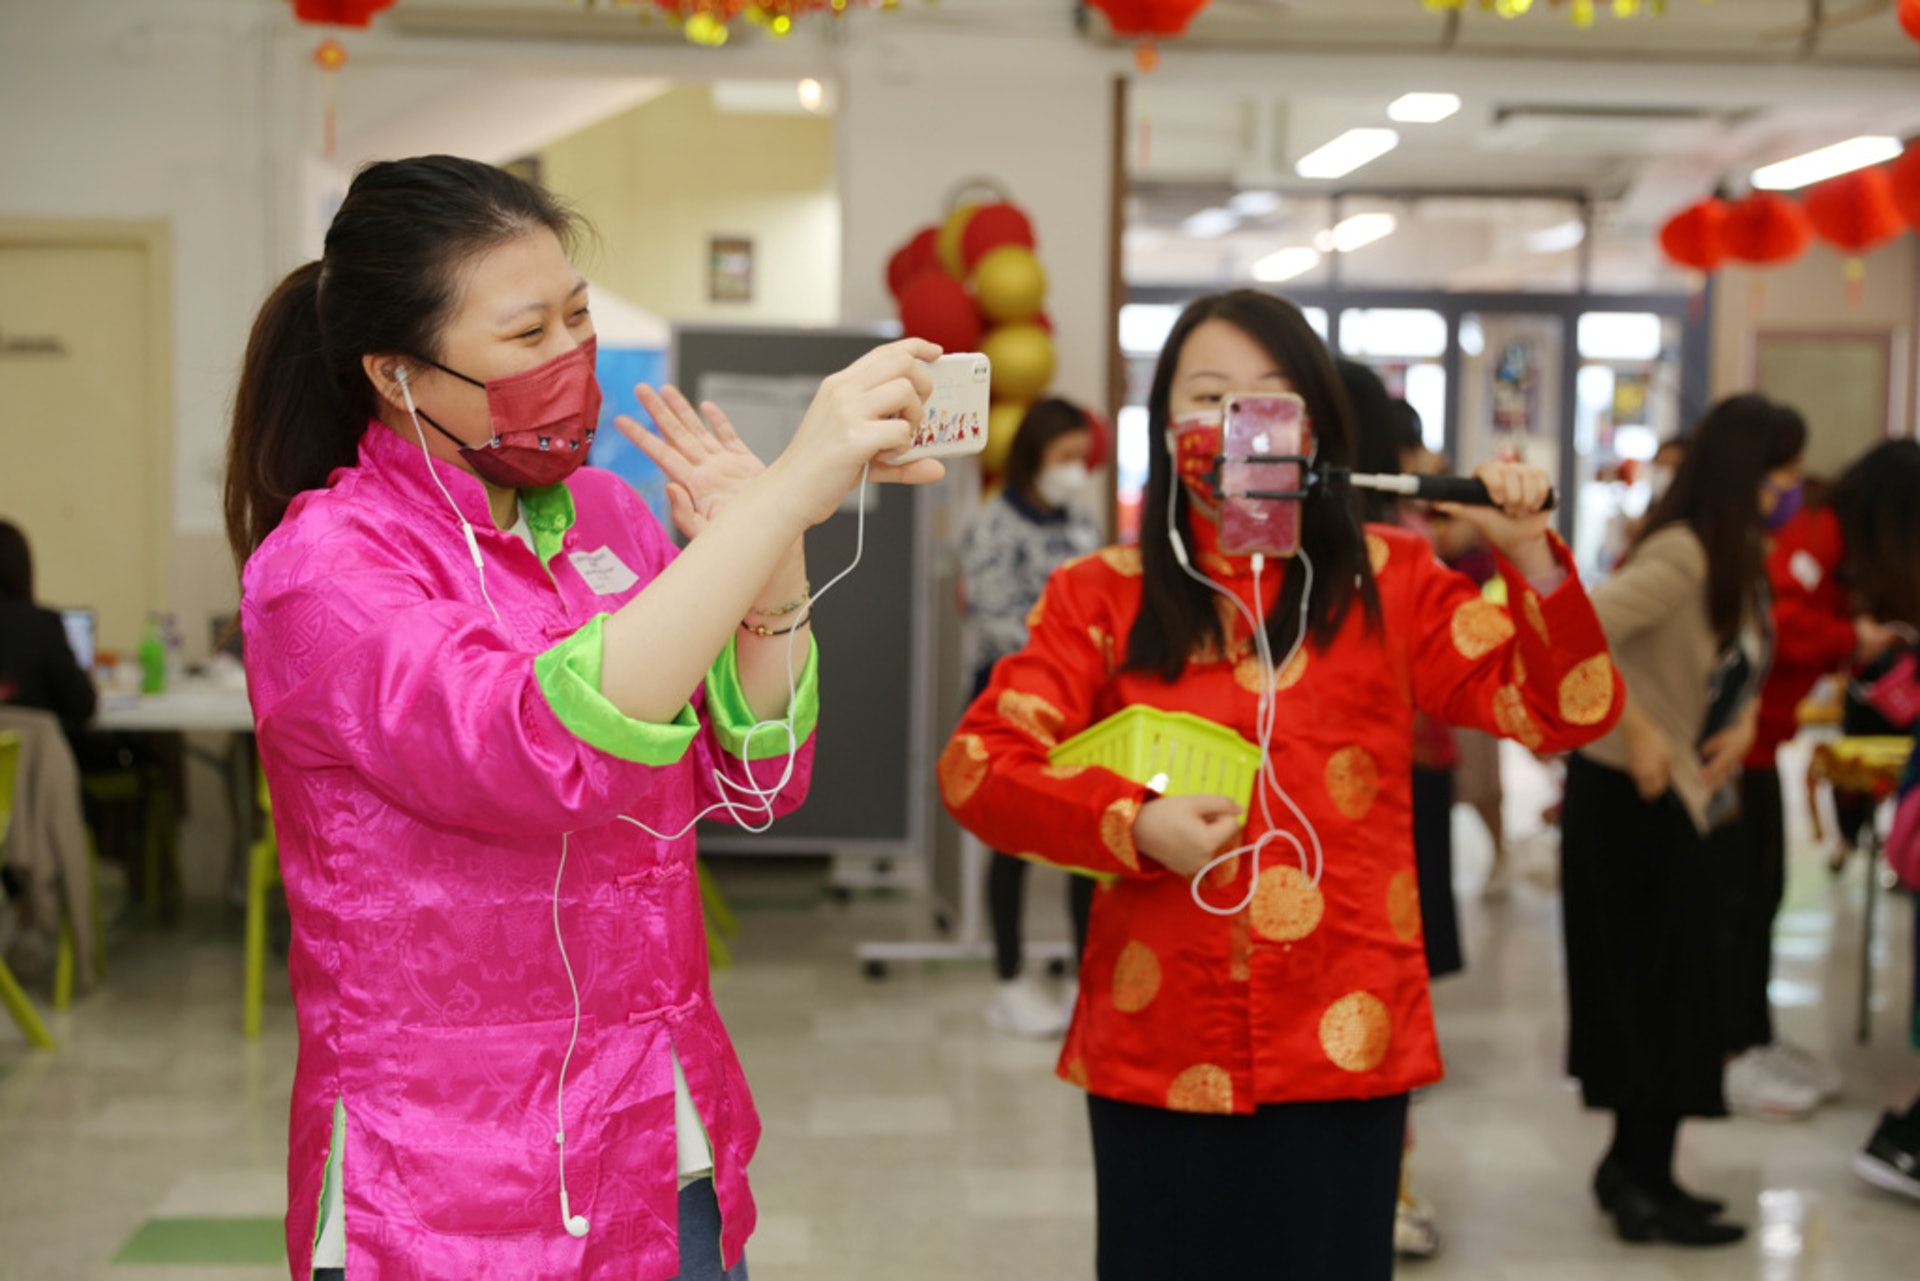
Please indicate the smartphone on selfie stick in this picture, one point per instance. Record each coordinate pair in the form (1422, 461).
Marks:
(1266, 450)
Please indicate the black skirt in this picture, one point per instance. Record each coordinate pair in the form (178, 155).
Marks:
(1293, 1192)
(1642, 907)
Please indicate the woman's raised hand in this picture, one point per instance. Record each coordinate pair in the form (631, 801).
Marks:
(702, 456)
(1517, 523)
(868, 410)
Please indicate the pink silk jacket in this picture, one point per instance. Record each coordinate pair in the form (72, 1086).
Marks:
(426, 762)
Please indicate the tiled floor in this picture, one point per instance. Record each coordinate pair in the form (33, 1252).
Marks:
(905, 1140)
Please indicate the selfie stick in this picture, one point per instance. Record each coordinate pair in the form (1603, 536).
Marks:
(1437, 489)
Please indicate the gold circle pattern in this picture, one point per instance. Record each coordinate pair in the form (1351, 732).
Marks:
(1356, 1031)
(1136, 978)
(1286, 905)
(1353, 781)
(1204, 1087)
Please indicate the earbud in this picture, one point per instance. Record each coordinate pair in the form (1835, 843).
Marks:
(400, 372)
(576, 1223)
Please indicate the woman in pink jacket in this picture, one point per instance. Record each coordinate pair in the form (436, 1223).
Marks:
(491, 702)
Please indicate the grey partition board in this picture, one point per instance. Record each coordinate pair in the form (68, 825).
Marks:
(865, 750)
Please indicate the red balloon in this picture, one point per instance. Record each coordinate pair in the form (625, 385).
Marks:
(1855, 211)
(1102, 436)
(1905, 177)
(1695, 237)
(991, 227)
(922, 253)
(938, 308)
(1043, 320)
(342, 13)
(1910, 17)
(1767, 228)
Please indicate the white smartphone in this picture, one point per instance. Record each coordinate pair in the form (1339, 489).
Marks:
(955, 422)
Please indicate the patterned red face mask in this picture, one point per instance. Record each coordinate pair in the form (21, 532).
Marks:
(543, 421)
(1196, 445)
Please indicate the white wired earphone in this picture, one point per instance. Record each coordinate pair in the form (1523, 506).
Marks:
(1265, 718)
(752, 815)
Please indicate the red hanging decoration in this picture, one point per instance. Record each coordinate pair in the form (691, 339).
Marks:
(1148, 21)
(1855, 212)
(1910, 17)
(329, 55)
(339, 13)
(1766, 229)
(1696, 236)
(1903, 177)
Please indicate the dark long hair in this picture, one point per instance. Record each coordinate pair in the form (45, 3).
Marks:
(1177, 613)
(387, 282)
(1376, 445)
(1716, 493)
(1047, 421)
(1878, 503)
(16, 564)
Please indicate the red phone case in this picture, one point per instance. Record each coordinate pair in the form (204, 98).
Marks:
(1262, 426)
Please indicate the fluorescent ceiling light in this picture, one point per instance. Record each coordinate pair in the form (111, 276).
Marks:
(1210, 223)
(1255, 204)
(1285, 264)
(1356, 232)
(1346, 153)
(1828, 162)
(1553, 240)
(1423, 108)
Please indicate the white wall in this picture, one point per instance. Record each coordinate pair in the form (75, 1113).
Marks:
(917, 117)
(158, 111)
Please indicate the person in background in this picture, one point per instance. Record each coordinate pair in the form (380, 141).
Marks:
(37, 666)
(1248, 1056)
(1845, 576)
(1030, 528)
(1686, 615)
(1891, 1159)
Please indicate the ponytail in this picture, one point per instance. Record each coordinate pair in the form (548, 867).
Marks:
(386, 284)
(292, 420)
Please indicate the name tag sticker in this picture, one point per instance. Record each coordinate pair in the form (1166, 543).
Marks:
(603, 571)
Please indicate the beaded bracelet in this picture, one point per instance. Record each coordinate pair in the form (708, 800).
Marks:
(798, 603)
(776, 631)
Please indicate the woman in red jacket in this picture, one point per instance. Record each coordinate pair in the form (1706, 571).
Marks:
(1248, 1028)
(1845, 576)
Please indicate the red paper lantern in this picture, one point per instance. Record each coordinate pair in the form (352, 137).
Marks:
(1766, 228)
(1148, 18)
(938, 308)
(1904, 177)
(339, 13)
(1695, 237)
(918, 255)
(1856, 211)
(1910, 17)
(991, 227)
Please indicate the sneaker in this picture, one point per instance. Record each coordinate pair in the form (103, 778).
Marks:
(1806, 1066)
(1021, 1008)
(1415, 1234)
(1891, 1160)
(1757, 1087)
(1499, 882)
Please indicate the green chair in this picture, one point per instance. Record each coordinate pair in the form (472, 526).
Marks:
(263, 870)
(143, 785)
(720, 921)
(10, 994)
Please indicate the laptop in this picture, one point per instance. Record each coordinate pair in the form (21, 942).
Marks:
(82, 635)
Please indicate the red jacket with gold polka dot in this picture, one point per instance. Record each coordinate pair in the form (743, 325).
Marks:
(1314, 991)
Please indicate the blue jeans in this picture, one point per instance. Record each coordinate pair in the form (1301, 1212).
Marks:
(699, 1240)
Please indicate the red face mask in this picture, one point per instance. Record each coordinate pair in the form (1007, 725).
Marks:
(1196, 456)
(543, 421)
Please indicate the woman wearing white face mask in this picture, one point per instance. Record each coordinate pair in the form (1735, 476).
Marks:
(1019, 538)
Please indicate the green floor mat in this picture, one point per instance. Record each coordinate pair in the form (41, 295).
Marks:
(231, 1241)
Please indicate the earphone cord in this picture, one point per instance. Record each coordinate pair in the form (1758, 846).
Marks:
(1266, 716)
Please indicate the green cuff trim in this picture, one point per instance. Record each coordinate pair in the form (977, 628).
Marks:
(569, 676)
(733, 717)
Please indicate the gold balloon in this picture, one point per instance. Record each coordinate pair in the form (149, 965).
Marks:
(1010, 284)
(1003, 423)
(1022, 358)
(951, 233)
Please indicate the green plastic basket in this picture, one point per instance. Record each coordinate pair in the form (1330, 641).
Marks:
(1174, 753)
